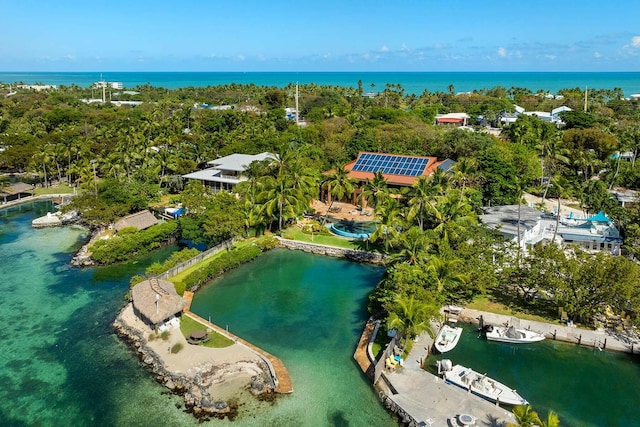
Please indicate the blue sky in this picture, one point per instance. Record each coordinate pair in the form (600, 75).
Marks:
(345, 35)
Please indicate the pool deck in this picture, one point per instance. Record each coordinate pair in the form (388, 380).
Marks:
(284, 385)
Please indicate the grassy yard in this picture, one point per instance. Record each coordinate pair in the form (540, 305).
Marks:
(498, 305)
(58, 189)
(294, 233)
(188, 325)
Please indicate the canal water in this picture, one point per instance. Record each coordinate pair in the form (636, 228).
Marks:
(309, 311)
(61, 363)
(585, 386)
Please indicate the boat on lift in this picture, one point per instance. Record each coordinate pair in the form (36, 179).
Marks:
(479, 384)
(511, 334)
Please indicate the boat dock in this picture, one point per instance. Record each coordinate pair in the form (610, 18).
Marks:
(430, 401)
(604, 339)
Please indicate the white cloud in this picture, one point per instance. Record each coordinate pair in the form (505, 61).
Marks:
(241, 57)
(635, 41)
(69, 57)
(384, 48)
(502, 52)
(596, 54)
(549, 56)
(404, 48)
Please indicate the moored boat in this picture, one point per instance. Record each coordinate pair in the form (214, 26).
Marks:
(447, 338)
(511, 334)
(479, 384)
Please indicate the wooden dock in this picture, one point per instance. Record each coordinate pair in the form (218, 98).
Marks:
(361, 355)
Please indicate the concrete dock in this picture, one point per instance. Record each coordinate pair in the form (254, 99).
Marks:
(426, 400)
(430, 401)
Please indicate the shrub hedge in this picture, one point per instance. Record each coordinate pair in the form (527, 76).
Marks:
(129, 244)
(225, 262)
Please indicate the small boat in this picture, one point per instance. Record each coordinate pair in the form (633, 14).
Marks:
(447, 338)
(479, 384)
(511, 334)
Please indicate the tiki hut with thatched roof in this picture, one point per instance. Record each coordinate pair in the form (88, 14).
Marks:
(15, 191)
(155, 301)
(140, 220)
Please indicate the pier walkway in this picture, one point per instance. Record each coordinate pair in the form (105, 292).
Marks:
(278, 370)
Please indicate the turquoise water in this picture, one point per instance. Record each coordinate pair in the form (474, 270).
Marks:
(60, 362)
(309, 311)
(586, 387)
(412, 82)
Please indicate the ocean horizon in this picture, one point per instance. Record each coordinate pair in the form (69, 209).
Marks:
(372, 81)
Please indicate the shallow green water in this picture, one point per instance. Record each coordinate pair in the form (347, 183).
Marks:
(586, 387)
(61, 363)
(309, 311)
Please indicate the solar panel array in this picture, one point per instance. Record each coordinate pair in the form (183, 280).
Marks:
(390, 164)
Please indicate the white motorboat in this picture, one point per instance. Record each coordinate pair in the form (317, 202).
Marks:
(511, 334)
(479, 384)
(447, 338)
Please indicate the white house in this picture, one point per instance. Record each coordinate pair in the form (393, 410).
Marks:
(227, 172)
(593, 234)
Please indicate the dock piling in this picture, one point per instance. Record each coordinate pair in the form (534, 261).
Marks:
(580, 339)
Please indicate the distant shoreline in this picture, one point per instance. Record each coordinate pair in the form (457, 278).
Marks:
(413, 82)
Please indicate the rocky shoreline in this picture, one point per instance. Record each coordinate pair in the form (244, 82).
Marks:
(196, 385)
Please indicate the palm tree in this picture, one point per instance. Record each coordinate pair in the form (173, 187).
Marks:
(463, 171)
(283, 200)
(526, 416)
(562, 187)
(389, 215)
(553, 153)
(414, 246)
(452, 215)
(410, 316)
(551, 421)
(444, 272)
(339, 185)
(420, 194)
(375, 190)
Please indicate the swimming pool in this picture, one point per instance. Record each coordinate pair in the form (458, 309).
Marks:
(353, 229)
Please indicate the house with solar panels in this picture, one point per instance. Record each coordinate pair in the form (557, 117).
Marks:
(398, 170)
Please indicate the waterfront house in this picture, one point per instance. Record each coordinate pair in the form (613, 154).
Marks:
(593, 234)
(157, 303)
(227, 172)
(140, 220)
(398, 170)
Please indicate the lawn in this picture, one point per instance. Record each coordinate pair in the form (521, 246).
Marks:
(188, 325)
(294, 233)
(493, 304)
(58, 189)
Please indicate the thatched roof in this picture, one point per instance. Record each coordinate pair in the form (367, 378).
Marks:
(17, 188)
(145, 295)
(140, 220)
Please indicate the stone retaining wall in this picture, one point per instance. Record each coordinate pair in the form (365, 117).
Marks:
(333, 251)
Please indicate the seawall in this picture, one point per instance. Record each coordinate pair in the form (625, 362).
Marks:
(333, 251)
